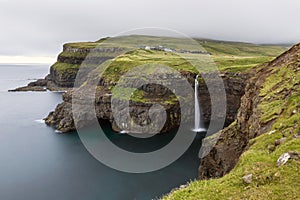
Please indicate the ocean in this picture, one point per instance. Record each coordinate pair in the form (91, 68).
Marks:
(38, 163)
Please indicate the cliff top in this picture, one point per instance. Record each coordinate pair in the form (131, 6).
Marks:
(228, 56)
(215, 47)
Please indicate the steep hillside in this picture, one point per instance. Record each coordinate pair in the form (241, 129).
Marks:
(267, 128)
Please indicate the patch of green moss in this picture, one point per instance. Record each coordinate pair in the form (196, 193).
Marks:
(127, 94)
(270, 110)
(283, 78)
(130, 60)
(65, 67)
(139, 96)
(235, 64)
(73, 55)
(241, 49)
(276, 87)
(83, 45)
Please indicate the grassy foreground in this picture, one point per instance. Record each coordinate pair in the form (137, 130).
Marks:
(280, 106)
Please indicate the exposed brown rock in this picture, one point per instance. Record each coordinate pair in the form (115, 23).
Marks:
(280, 141)
(294, 155)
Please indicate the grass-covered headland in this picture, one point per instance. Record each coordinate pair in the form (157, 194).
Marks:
(228, 56)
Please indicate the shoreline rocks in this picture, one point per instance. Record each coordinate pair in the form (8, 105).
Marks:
(39, 85)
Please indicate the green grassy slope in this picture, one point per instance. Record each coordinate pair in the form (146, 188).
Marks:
(229, 56)
(279, 104)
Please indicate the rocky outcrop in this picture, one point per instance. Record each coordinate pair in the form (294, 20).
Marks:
(251, 120)
(64, 72)
(61, 117)
(37, 86)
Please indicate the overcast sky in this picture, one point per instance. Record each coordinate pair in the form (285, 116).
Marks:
(39, 28)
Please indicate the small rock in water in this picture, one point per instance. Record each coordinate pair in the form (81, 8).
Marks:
(280, 141)
(248, 178)
(283, 159)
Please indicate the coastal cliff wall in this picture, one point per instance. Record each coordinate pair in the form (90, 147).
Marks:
(266, 106)
(62, 118)
(63, 74)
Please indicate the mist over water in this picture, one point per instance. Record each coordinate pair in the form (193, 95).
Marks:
(37, 163)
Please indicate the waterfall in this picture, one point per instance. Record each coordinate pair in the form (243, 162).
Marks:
(198, 122)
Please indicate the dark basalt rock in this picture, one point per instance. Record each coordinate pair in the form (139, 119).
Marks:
(61, 118)
(37, 86)
(29, 88)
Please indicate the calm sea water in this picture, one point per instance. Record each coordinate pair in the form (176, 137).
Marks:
(37, 163)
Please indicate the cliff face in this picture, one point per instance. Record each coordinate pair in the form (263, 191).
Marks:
(266, 105)
(61, 118)
(63, 73)
(87, 55)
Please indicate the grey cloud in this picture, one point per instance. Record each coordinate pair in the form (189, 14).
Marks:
(40, 27)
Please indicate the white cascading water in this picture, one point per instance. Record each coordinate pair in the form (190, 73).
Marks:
(198, 122)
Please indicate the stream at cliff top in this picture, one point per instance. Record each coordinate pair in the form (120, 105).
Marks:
(37, 163)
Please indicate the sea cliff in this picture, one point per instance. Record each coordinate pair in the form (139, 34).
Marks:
(257, 156)
(233, 66)
(63, 74)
